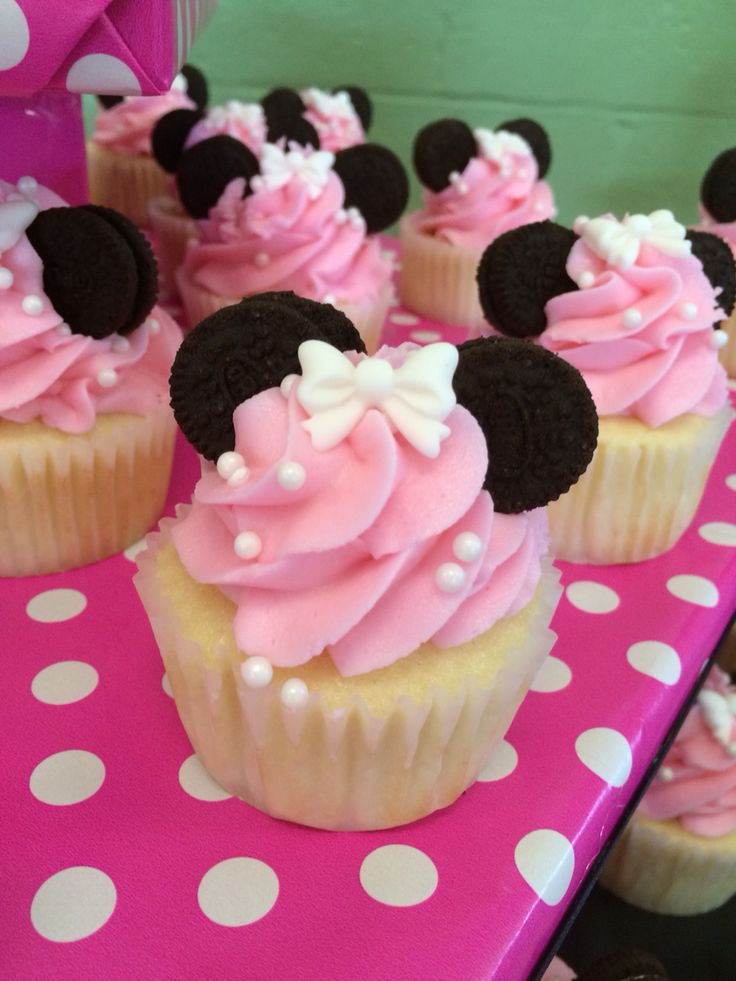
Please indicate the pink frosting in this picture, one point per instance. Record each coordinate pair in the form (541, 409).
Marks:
(488, 200)
(345, 556)
(657, 370)
(242, 120)
(337, 123)
(287, 239)
(51, 375)
(724, 229)
(126, 128)
(701, 791)
(558, 971)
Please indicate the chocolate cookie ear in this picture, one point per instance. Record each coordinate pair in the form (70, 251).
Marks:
(718, 188)
(197, 88)
(170, 134)
(207, 168)
(375, 183)
(333, 325)
(361, 103)
(718, 265)
(536, 136)
(90, 272)
(108, 101)
(632, 965)
(519, 272)
(443, 148)
(537, 415)
(282, 101)
(293, 129)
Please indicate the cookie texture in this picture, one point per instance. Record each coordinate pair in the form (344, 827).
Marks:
(627, 966)
(333, 325)
(197, 88)
(207, 168)
(375, 183)
(718, 265)
(169, 136)
(440, 149)
(718, 187)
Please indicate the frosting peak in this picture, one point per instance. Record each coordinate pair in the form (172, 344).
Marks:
(126, 127)
(334, 117)
(619, 242)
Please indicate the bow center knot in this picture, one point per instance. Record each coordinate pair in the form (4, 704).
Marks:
(374, 381)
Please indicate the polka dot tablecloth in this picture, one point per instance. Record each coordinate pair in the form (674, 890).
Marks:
(124, 859)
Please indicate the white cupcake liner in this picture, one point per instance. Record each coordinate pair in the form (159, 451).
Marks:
(172, 228)
(126, 183)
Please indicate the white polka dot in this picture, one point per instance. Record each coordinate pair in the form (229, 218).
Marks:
(73, 904)
(64, 682)
(731, 481)
(694, 589)
(502, 762)
(425, 336)
(592, 597)
(14, 35)
(404, 319)
(102, 73)
(166, 685)
(546, 862)
(238, 891)
(55, 605)
(655, 659)
(554, 675)
(67, 777)
(132, 550)
(197, 782)
(607, 753)
(398, 875)
(719, 533)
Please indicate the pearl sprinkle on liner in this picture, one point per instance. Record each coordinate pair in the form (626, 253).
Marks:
(719, 339)
(294, 693)
(231, 467)
(256, 672)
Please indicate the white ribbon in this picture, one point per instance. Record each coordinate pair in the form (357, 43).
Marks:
(415, 397)
(15, 217)
(493, 145)
(326, 104)
(279, 166)
(619, 242)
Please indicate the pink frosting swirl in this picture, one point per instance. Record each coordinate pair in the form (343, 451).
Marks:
(244, 121)
(344, 556)
(333, 116)
(126, 127)
(50, 374)
(488, 199)
(285, 238)
(656, 367)
(700, 789)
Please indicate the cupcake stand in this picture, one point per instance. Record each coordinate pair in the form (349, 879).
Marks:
(123, 859)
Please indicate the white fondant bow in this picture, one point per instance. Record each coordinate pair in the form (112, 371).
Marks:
(493, 144)
(619, 242)
(15, 217)
(279, 166)
(416, 397)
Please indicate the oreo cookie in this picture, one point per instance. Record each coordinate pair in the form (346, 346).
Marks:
(293, 129)
(718, 187)
(375, 183)
(632, 965)
(536, 136)
(519, 272)
(197, 89)
(108, 101)
(718, 265)
(282, 101)
(537, 415)
(332, 324)
(170, 134)
(442, 148)
(361, 103)
(207, 168)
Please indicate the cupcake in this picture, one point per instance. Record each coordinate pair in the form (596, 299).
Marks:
(358, 597)
(297, 219)
(678, 854)
(478, 184)
(340, 118)
(86, 431)
(632, 305)
(123, 173)
(718, 215)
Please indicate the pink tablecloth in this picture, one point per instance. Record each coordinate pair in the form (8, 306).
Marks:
(122, 859)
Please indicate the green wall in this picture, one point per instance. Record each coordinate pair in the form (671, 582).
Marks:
(637, 95)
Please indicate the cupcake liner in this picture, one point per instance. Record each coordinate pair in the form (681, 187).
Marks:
(126, 183)
(338, 767)
(727, 354)
(437, 279)
(640, 491)
(172, 229)
(660, 867)
(68, 500)
(368, 315)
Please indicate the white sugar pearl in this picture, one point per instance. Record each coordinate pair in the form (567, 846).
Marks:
(107, 377)
(666, 774)
(228, 463)
(6, 278)
(291, 475)
(689, 311)
(294, 693)
(239, 477)
(257, 672)
(287, 384)
(329, 298)
(121, 344)
(27, 185)
(32, 305)
(153, 325)
(450, 578)
(261, 259)
(247, 545)
(579, 224)
(64, 330)
(731, 749)
(718, 339)
(341, 216)
(467, 546)
(586, 280)
(631, 317)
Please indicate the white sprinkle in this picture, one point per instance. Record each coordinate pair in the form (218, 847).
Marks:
(689, 311)
(341, 216)
(153, 325)
(228, 463)
(27, 185)
(719, 339)
(107, 377)
(329, 298)
(355, 217)
(666, 774)
(457, 181)
(450, 578)
(261, 259)
(63, 329)
(247, 545)
(290, 475)
(257, 672)
(586, 280)
(32, 305)
(287, 384)
(539, 206)
(6, 278)
(631, 318)
(731, 749)
(467, 546)
(294, 693)
(121, 344)
(579, 224)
